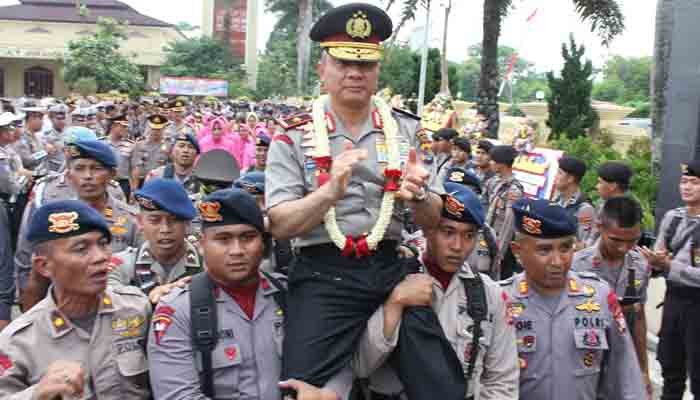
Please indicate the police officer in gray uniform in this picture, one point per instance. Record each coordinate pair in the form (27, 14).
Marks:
(616, 259)
(184, 154)
(569, 195)
(83, 340)
(8, 189)
(30, 146)
(470, 307)
(613, 180)
(150, 153)
(676, 256)
(486, 248)
(117, 139)
(90, 169)
(165, 256)
(572, 336)
(244, 360)
(330, 181)
(503, 192)
(54, 138)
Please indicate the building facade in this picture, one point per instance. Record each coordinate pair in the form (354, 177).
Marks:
(34, 36)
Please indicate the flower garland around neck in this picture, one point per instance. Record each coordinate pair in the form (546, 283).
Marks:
(361, 246)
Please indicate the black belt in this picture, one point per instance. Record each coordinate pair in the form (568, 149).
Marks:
(683, 292)
(330, 249)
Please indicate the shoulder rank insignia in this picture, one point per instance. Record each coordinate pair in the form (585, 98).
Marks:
(589, 306)
(523, 287)
(573, 286)
(294, 121)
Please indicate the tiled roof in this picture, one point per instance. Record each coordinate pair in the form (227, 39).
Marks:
(65, 11)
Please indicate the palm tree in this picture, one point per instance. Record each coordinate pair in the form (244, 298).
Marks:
(303, 43)
(444, 70)
(604, 16)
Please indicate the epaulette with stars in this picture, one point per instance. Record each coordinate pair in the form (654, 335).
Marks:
(295, 121)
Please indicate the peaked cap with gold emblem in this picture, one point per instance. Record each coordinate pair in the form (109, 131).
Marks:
(65, 218)
(353, 32)
(542, 219)
(157, 121)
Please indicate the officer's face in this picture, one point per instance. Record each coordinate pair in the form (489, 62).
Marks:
(156, 134)
(546, 261)
(616, 242)
(690, 189)
(232, 253)
(261, 156)
(184, 153)
(76, 265)
(450, 244)
(349, 83)
(89, 178)
(217, 131)
(562, 180)
(59, 121)
(164, 232)
(34, 121)
(606, 189)
(118, 131)
(482, 158)
(459, 155)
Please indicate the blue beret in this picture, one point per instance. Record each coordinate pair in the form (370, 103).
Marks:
(543, 219)
(75, 133)
(94, 150)
(461, 204)
(188, 137)
(262, 140)
(65, 218)
(168, 195)
(252, 182)
(464, 177)
(230, 207)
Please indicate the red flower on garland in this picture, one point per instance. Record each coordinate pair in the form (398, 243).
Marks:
(393, 176)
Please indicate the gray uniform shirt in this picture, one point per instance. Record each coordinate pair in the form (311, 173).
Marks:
(126, 263)
(496, 370)
(8, 171)
(682, 271)
(584, 214)
(122, 151)
(500, 213)
(581, 351)
(30, 149)
(590, 260)
(291, 175)
(113, 355)
(148, 156)
(481, 258)
(246, 361)
(56, 160)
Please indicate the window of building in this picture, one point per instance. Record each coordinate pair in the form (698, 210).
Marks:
(38, 82)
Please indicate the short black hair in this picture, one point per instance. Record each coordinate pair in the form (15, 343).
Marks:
(625, 211)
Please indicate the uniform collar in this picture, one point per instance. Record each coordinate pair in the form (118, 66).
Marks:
(60, 325)
(569, 201)
(336, 128)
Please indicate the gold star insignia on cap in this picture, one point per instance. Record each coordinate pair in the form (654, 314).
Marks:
(523, 287)
(58, 322)
(63, 222)
(684, 168)
(590, 306)
(359, 27)
(532, 226)
(210, 211)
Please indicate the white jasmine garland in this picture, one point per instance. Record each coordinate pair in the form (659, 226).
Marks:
(322, 149)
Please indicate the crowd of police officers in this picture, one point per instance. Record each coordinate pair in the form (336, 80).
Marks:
(351, 261)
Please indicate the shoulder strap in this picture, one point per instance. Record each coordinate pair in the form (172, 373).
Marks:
(477, 308)
(283, 254)
(204, 326)
(671, 232)
(281, 295)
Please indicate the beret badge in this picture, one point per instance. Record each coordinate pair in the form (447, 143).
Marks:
(210, 211)
(63, 222)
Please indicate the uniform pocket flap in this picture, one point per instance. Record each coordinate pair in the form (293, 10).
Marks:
(586, 371)
(132, 363)
(591, 339)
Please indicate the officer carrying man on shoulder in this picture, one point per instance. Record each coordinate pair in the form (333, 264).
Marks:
(676, 255)
(470, 306)
(166, 256)
(333, 181)
(84, 339)
(571, 333)
(221, 336)
(183, 155)
(616, 259)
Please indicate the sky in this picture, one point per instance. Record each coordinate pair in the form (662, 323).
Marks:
(538, 41)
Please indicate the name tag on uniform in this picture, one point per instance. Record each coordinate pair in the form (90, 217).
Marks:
(39, 155)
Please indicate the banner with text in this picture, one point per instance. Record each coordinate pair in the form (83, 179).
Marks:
(536, 170)
(193, 86)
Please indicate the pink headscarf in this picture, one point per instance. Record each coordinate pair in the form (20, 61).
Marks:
(225, 142)
(209, 128)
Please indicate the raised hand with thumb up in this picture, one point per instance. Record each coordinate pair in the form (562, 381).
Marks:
(415, 179)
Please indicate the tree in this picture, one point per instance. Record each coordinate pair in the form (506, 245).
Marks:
(276, 69)
(202, 57)
(98, 57)
(625, 80)
(570, 111)
(303, 44)
(185, 26)
(444, 68)
(604, 16)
